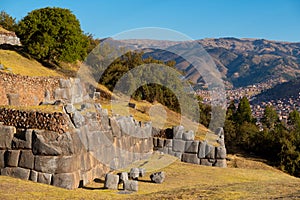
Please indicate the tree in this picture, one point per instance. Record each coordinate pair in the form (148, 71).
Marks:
(270, 117)
(243, 112)
(7, 21)
(53, 35)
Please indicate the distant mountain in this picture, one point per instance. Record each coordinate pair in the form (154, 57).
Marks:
(284, 90)
(243, 62)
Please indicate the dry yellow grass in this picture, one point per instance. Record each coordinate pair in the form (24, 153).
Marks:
(183, 181)
(2, 30)
(18, 64)
(159, 115)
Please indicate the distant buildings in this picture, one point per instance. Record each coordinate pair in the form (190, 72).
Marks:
(282, 106)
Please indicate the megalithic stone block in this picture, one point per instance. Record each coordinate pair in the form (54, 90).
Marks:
(158, 177)
(130, 185)
(191, 146)
(16, 172)
(201, 151)
(111, 181)
(177, 132)
(220, 152)
(190, 158)
(44, 178)
(12, 158)
(6, 136)
(209, 151)
(188, 135)
(134, 173)
(67, 180)
(178, 145)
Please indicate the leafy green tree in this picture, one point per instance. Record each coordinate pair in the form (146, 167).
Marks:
(53, 35)
(7, 21)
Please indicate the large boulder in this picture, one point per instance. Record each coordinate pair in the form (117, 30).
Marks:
(12, 158)
(201, 151)
(134, 173)
(51, 143)
(158, 177)
(123, 176)
(178, 132)
(33, 176)
(178, 145)
(22, 139)
(220, 163)
(56, 164)
(44, 178)
(16, 172)
(2, 160)
(191, 146)
(111, 181)
(26, 159)
(130, 185)
(67, 180)
(210, 151)
(6, 136)
(188, 135)
(190, 158)
(220, 152)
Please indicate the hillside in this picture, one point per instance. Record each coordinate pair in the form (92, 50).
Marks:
(242, 62)
(17, 64)
(280, 91)
(254, 180)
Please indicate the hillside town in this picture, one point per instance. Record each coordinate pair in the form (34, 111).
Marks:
(282, 106)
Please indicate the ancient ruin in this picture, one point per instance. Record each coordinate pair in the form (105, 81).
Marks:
(77, 141)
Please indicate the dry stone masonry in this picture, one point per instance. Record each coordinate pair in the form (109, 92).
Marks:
(82, 142)
(71, 148)
(183, 146)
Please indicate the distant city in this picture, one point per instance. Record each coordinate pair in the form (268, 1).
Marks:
(283, 106)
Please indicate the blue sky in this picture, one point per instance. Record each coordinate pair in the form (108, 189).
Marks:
(268, 19)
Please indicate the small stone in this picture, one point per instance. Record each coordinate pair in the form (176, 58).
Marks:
(158, 177)
(142, 172)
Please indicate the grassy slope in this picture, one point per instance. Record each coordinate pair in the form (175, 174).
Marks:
(183, 180)
(253, 180)
(18, 64)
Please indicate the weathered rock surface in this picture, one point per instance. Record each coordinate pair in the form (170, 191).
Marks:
(158, 177)
(111, 181)
(130, 185)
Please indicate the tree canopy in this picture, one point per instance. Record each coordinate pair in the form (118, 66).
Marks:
(7, 21)
(53, 35)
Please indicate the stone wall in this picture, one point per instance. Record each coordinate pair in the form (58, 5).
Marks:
(183, 146)
(28, 91)
(56, 121)
(73, 147)
(69, 148)
(93, 146)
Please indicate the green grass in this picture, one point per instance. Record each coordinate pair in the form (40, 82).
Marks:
(183, 181)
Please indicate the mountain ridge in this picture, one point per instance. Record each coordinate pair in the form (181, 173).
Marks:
(242, 62)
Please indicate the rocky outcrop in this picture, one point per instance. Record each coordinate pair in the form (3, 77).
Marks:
(8, 37)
